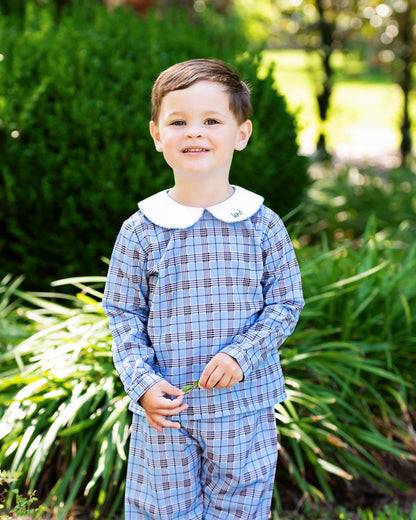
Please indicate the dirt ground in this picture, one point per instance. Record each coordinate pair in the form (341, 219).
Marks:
(360, 493)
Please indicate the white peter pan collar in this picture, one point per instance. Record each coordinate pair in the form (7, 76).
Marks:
(163, 211)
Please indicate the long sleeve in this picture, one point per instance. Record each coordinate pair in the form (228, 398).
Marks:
(283, 301)
(126, 304)
(176, 296)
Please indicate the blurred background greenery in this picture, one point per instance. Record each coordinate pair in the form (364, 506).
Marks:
(332, 152)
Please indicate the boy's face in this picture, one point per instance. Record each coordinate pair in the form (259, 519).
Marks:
(197, 132)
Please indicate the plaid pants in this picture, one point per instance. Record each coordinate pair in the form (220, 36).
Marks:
(215, 469)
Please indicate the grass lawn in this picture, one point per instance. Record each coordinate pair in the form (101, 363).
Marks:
(364, 114)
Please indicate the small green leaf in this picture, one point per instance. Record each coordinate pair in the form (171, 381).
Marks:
(188, 388)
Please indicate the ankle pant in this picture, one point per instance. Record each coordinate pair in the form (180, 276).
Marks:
(214, 469)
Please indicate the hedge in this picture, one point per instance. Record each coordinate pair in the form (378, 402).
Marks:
(76, 155)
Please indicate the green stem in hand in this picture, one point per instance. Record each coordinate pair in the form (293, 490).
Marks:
(187, 388)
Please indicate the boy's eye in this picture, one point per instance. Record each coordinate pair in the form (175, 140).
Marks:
(178, 123)
(211, 122)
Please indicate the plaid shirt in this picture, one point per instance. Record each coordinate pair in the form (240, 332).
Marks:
(185, 283)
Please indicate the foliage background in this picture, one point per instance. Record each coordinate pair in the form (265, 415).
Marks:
(74, 140)
(349, 373)
(74, 104)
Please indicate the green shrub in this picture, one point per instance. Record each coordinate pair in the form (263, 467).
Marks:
(350, 362)
(13, 7)
(24, 507)
(74, 141)
(73, 435)
(343, 198)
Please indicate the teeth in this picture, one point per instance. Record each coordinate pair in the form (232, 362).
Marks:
(194, 150)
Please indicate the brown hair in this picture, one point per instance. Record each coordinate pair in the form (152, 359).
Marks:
(184, 74)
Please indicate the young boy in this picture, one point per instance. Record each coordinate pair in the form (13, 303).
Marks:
(203, 286)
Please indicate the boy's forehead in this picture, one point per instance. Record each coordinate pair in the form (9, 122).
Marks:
(208, 84)
(205, 92)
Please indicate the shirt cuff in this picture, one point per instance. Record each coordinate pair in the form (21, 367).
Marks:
(241, 356)
(143, 386)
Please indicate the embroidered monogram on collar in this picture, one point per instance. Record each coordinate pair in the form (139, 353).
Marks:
(165, 212)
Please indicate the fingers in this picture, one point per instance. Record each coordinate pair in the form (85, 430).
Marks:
(211, 375)
(158, 422)
(162, 405)
(158, 405)
(215, 377)
(156, 400)
(222, 371)
(219, 380)
(225, 382)
(169, 389)
(171, 408)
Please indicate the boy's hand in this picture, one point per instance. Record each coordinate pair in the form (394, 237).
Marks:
(156, 405)
(223, 371)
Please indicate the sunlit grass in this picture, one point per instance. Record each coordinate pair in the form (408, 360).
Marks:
(365, 112)
(294, 79)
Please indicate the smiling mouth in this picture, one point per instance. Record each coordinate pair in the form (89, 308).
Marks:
(194, 150)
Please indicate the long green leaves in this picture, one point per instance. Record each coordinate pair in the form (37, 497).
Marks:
(64, 422)
(348, 365)
(63, 407)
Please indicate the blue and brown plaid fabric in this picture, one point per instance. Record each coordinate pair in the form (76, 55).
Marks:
(177, 296)
(211, 469)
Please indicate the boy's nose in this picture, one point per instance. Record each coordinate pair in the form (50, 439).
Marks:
(194, 131)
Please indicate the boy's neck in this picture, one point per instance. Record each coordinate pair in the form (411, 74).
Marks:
(200, 196)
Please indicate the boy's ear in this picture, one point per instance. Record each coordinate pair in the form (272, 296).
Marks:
(154, 132)
(244, 134)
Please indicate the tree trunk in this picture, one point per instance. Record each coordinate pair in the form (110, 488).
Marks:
(323, 98)
(406, 86)
(405, 82)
